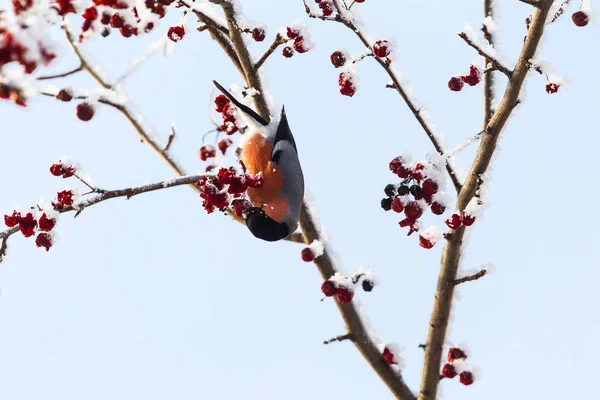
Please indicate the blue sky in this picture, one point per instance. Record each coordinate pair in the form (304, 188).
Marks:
(152, 298)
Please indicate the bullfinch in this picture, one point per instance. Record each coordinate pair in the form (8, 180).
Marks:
(270, 149)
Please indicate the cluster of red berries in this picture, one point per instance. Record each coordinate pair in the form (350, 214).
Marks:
(456, 83)
(458, 220)
(217, 190)
(64, 199)
(449, 369)
(301, 43)
(63, 169)
(118, 14)
(9, 92)
(416, 184)
(11, 50)
(227, 111)
(342, 287)
(28, 224)
(326, 7)
(580, 18)
(258, 33)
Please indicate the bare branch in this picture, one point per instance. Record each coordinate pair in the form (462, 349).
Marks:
(279, 40)
(171, 138)
(488, 73)
(64, 74)
(438, 323)
(488, 57)
(561, 10)
(385, 64)
(3, 247)
(153, 48)
(338, 338)
(470, 278)
(464, 145)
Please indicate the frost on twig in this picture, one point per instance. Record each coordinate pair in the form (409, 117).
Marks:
(279, 40)
(484, 49)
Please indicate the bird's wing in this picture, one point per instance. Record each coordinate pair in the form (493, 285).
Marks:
(283, 135)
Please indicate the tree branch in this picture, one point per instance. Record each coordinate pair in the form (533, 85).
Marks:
(339, 338)
(488, 78)
(386, 65)
(279, 40)
(497, 65)
(470, 278)
(451, 255)
(64, 74)
(561, 10)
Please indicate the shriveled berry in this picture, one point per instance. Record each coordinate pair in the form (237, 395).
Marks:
(448, 371)
(466, 378)
(240, 207)
(413, 210)
(406, 222)
(258, 34)
(344, 295)
(386, 203)
(389, 190)
(27, 225)
(367, 285)
(326, 8)
(65, 198)
(381, 48)
(43, 240)
(84, 111)
(287, 52)
(307, 254)
(46, 224)
(221, 101)
(57, 169)
(453, 222)
(338, 59)
(466, 219)
(415, 190)
(206, 152)
(471, 80)
(116, 21)
(455, 84)
(416, 171)
(552, 88)
(429, 186)
(328, 288)
(224, 144)
(105, 20)
(300, 45)
(90, 13)
(580, 18)
(64, 95)
(438, 208)
(425, 243)
(403, 190)
(12, 220)
(388, 356)
(397, 205)
(176, 33)
(454, 353)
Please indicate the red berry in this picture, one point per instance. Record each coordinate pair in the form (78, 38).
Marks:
(43, 240)
(466, 219)
(580, 18)
(448, 371)
(56, 169)
(292, 33)
(307, 254)
(473, 78)
(348, 90)
(413, 210)
(240, 207)
(105, 19)
(12, 220)
(90, 14)
(258, 34)
(388, 356)
(65, 198)
(453, 222)
(397, 205)
(46, 224)
(359, 1)
(4, 89)
(398, 167)
(344, 295)
(338, 59)
(328, 288)
(255, 181)
(300, 45)
(125, 31)
(64, 95)
(326, 8)
(425, 243)
(221, 101)
(381, 48)
(437, 208)
(116, 21)
(429, 187)
(552, 88)
(406, 222)
(176, 33)
(27, 225)
(224, 144)
(84, 111)
(68, 172)
(466, 378)
(416, 172)
(456, 354)
(207, 152)
(287, 52)
(149, 26)
(455, 84)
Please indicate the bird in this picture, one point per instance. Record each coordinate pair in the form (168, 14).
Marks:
(269, 148)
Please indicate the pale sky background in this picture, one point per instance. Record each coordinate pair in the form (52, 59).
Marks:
(153, 299)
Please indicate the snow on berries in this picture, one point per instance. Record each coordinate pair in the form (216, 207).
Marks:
(44, 240)
(391, 354)
(240, 207)
(64, 199)
(224, 144)
(298, 35)
(429, 237)
(63, 168)
(312, 251)
(455, 84)
(176, 33)
(227, 188)
(258, 34)
(40, 219)
(552, 88)
(348, 82)
(474, 76)
(448, 371)
(457, 366)
(326, 7)
(381, 48)
(207, 151)
(343, 286)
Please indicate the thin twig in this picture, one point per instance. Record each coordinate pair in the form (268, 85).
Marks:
(464, 145)
(535, 3)
(153, 49)
(64, 74)
(279, 40)
(396, 82)
(171, 138)
(497, 64)
(561, 10)
(440, 315)
(338, 338)
(470, 278)
(3, 247)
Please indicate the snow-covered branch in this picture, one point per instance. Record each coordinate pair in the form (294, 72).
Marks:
(279, 40)
(486, 54)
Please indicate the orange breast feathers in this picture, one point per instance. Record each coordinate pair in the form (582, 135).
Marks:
(256, 155)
